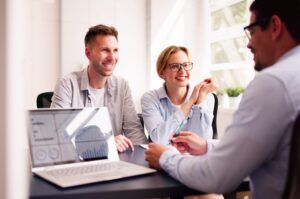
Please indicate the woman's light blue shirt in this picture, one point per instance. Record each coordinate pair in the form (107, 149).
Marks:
(162, 118)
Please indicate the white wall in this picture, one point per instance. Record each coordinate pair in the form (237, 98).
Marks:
(44, 48)
(180, 22)
(13, 50)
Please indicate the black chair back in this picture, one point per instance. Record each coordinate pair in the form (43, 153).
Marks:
(43, 100)
(292, 186)
(214, 122)
(140, 115)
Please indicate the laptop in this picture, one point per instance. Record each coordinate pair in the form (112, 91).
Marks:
(71, 147)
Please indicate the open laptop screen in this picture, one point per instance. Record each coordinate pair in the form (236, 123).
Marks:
(58, 136)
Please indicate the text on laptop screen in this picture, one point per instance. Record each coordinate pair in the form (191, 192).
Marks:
(73, 135)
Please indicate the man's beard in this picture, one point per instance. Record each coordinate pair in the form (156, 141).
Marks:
(261, 65)
(258, 67)
(99, 69)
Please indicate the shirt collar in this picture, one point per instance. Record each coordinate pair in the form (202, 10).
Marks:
(84, 80)
(162, 93)
(110, 84)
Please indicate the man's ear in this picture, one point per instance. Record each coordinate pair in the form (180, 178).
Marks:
(88, 53)
(276, 26)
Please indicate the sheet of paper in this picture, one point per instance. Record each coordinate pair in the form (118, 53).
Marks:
(145, 146)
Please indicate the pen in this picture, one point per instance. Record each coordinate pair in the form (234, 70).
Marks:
(179, 128)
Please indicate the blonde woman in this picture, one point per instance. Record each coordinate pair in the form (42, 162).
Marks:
(177, 104)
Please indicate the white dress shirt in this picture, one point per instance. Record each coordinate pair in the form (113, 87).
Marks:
(257, 142)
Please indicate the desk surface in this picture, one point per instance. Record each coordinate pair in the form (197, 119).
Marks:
(158, 184)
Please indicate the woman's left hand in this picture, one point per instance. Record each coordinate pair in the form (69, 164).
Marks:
(207, 86)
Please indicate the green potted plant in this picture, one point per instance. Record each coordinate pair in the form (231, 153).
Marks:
(234, 94)
(234, 91)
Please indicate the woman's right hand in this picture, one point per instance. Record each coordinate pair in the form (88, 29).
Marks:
(199, 93)
(186, 106)
(195, 94)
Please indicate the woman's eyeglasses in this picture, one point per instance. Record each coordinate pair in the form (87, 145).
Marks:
(187, 66)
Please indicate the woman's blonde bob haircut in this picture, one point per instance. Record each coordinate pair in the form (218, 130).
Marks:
(162, 61)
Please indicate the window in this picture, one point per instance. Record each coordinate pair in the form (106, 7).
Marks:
(231, 61)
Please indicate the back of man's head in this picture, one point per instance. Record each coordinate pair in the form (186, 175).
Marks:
(99, 30)
(287, 10)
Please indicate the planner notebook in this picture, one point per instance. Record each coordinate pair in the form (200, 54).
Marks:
(71, 147)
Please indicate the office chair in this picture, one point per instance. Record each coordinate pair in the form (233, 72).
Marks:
(214, 122)
(140, 115)
(292, 186)
(43, 100)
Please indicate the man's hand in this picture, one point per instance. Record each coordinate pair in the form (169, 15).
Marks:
(153, 154)
(188, 142)
(123, 143)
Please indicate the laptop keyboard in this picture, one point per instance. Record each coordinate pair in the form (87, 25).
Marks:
(86, 170)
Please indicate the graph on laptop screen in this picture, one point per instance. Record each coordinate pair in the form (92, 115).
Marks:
(70, 136)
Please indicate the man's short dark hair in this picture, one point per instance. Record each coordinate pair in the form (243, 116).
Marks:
(99, 30)
(287, 10)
